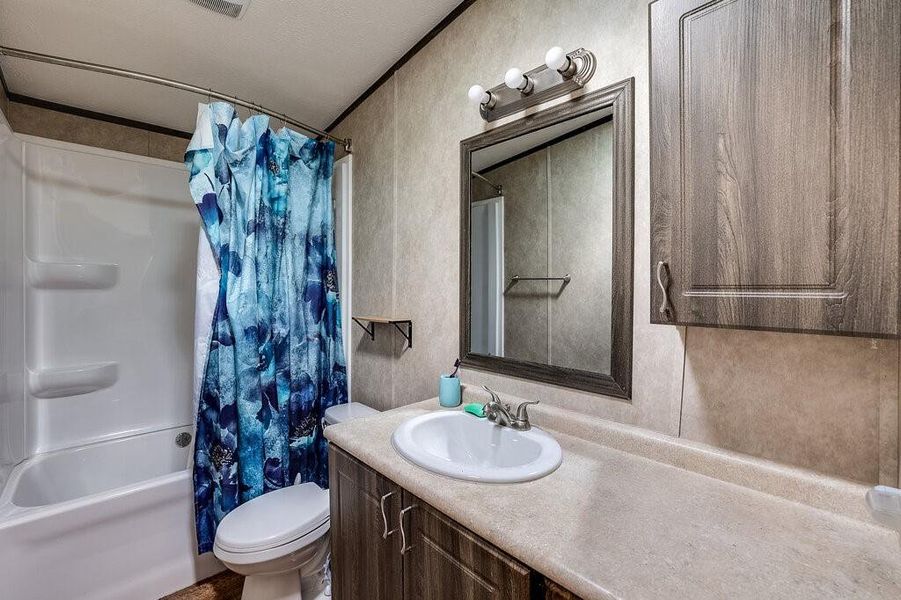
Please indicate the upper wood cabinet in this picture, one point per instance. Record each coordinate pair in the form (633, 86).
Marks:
(775, 164)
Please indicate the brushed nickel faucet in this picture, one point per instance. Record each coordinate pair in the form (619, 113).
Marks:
(501, 413)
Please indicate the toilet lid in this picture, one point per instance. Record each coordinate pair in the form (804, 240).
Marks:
(339, 413)
(273, 519)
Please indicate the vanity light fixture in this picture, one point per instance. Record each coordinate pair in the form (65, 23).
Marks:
(558, 60)
(515, 80)
(561, 73)
(478, 95)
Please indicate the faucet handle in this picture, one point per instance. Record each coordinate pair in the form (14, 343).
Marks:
(490, 407)
(522, 413)
(496, 410)
(494, 396)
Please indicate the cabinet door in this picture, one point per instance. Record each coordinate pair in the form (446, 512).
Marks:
(775, 164)
(444, 561)
(557, 592)
(364, 563)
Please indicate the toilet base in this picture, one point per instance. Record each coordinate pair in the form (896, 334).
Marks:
(283, 586)
(281, 573)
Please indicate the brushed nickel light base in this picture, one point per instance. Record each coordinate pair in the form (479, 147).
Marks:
(544, 84)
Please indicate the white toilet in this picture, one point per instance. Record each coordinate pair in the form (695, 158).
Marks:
(279, 540)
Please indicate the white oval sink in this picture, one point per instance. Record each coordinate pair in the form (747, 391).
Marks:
(463, 446)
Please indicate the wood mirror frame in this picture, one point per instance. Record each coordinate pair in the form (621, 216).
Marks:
(618, 383)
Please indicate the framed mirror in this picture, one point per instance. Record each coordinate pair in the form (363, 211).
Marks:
(546, 245)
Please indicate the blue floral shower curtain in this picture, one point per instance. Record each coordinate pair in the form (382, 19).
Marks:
(276, 359)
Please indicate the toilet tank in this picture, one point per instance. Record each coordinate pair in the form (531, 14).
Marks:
(347, 412)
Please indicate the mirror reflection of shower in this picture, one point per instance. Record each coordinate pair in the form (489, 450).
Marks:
(541, 217)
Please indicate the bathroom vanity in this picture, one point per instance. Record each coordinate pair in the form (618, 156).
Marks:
(628, 514)
(389, 544)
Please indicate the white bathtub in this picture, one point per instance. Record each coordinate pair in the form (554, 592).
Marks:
(107, 521)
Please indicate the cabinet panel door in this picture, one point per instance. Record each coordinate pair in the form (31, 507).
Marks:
(557, 592)
(447, 562)
(364, 565)
(775, 164)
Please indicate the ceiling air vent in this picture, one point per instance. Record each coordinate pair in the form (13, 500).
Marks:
(230, 8)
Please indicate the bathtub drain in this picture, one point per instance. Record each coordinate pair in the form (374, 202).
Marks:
(183, 439)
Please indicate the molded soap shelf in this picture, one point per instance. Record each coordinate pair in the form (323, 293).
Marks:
(72, 276)
(72, 381)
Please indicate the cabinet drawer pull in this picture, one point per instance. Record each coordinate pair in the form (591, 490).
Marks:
(385, 532)
(403, 533)
(664, 302)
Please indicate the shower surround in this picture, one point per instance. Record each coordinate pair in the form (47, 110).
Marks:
(95, 481)
(12, 308)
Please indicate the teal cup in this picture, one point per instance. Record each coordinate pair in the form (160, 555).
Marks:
(449, 391)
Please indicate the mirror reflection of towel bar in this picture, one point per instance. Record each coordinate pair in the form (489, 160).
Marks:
(498, 189)
(565, 279)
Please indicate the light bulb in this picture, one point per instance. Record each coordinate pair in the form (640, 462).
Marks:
(514, 79)
(478, 95)
(556, 59)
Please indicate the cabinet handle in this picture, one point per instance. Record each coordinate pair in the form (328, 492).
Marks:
(385, 532)
(664, 302)
(403, 533)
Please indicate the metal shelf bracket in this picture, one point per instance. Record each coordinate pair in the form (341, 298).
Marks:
(368, 325)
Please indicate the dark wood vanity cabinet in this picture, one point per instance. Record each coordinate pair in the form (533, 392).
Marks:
(365, 563)
(445, 560)
(775, 164)
(440, 561)
(556, 592)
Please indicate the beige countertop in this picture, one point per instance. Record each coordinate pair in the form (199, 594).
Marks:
(635, 514)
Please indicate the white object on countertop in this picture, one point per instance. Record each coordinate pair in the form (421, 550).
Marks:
(884, 503)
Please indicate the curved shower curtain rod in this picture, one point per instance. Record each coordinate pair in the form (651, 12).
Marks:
(98, 68)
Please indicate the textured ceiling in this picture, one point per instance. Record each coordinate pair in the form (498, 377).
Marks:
(308, 58)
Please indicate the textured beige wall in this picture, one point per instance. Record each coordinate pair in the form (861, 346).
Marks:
(373, 252)
(55, 125)
(827, 403)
